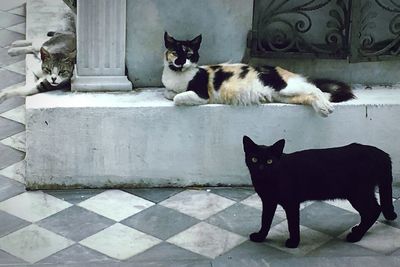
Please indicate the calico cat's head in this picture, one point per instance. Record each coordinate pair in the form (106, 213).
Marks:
(262, 160)
(181, 55)
(57, 67)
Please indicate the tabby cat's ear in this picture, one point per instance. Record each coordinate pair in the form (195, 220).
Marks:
(168, 41)
(44, 54)
(248, 144)
(196, 42)
(277, 148)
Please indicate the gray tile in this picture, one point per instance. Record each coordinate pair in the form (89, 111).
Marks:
(8, 78)
(7, 37)
(155, 195)
(10, 260)
(341, 248)
(315, 217)
(74, 196)
(75, 223)
(7, 4)
(77, 254)
(166, 252)
(9, 188)
(395, 223)
(9, 155)
(9, 128)
(7, 19)
(160, 222)
(10, 223)
(240, 219)
(11, 103)
(337, 262)
(234, 193)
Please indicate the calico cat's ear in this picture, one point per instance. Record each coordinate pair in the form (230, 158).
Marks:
(44, 54)
(195, 43)
(277, 148)
(168, 41)
(248, 144)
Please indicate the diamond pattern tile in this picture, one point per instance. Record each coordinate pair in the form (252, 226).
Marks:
(10, 223)
(33, 206)
(115, 204)
(21, 11)
(197, 203)
(75, 223)
(10, 260)
(74, 196)
(8, 5)
(16, 141)
(19, 28)
(18, 67)
(149, 221)
(207, 240)
(9, 188)
(8, 19)
(152, 195)
(341, 247)
(15, 172)
(238, 194)
(9, 127)
(9, 156)
(120, 241)
(33, 243)
(6, 78)
(7, 37)
(16, 114)
(11, 103)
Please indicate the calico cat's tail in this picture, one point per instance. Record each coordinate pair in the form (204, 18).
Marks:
(339, 91)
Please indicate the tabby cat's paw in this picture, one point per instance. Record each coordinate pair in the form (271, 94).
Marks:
(292, 243)
(257, 237)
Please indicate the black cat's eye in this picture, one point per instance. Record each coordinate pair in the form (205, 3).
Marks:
(269, 161)
(254, 159)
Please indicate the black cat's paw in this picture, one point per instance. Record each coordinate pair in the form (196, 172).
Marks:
(390, 215)
(354, 236)
(257, 237)
(292, 243)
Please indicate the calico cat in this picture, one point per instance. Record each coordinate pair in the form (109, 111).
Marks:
(57, 58)
(350, 172)
(189, 84)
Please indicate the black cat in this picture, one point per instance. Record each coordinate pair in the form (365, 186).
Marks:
(350, 172)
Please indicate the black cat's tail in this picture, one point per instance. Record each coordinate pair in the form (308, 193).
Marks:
(339, 91)
(385, 191)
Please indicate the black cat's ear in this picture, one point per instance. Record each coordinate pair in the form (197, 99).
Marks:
(277, 148)
(195, 43)
(168, 41)
(44, 54)
(248, 144)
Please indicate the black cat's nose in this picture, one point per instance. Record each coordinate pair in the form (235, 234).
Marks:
(180, 61)
(261, 167)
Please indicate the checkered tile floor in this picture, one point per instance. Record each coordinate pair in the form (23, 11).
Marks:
(157, 227)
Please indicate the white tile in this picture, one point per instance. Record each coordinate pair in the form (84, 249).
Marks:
(18, 11)
(309, 239)
(380, 238)
(116, 204)
(20, 28)
(207, 240)
(120, 242)
(33, 243)
(18, 67)
(7, 4)
(16, 114)
(33, 206)
(197, 203)
(16, 141)
(255, 202)
(15, 172)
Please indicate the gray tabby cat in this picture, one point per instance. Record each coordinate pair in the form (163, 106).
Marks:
(57, 56)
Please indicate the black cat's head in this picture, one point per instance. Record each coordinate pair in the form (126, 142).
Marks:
(262, 160)
(181, 55)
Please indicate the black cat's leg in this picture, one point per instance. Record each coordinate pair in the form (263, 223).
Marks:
(385, 195)
(369, 210)
(268, 211)
(293, 218)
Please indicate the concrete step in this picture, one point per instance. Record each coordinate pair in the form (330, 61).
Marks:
(141, 139)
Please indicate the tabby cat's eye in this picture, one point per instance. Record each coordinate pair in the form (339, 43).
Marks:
(254, 159)
(269, 161)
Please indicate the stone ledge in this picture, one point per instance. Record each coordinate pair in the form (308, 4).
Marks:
(141, 139)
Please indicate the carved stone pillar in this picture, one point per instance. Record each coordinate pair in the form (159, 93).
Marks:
(101, 33)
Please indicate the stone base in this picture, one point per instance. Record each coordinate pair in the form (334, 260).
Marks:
(141, 139)
(100, 83)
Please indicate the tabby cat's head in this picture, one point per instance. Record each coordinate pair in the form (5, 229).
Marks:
(181, 55)
(57, 67)
(260, 159)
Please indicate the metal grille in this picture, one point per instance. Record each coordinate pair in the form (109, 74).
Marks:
(360, 30)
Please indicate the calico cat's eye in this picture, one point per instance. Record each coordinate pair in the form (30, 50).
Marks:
(269, 161)
(254, 159)
(174, 53)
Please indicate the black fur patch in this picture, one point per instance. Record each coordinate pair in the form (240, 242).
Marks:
(215, 67)
(270, 77)
(339, 91)
(220, 77)
(199, 84)
(243, 73)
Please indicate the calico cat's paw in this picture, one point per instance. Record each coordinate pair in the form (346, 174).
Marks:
(322, 106)
(169, 94)
(292, 243)
(257, 237)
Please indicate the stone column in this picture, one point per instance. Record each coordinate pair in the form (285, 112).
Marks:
(101, 34)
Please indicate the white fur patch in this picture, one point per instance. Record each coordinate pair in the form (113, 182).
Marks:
(189, 98)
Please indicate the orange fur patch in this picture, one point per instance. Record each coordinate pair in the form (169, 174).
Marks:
(285, 74)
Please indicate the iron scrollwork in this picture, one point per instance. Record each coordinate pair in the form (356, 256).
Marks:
(282, 27)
